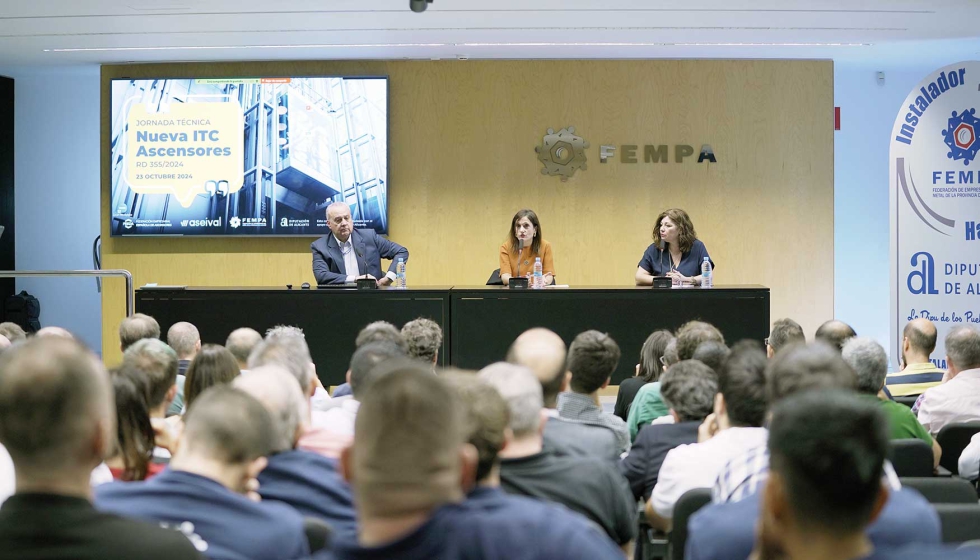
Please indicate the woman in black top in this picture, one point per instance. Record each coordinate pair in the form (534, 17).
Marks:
(647, 371)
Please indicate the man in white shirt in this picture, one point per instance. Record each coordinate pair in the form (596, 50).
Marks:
(958, 399)
(735, 425)
(347, 253)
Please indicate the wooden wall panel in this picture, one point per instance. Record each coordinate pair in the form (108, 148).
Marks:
(462, 137)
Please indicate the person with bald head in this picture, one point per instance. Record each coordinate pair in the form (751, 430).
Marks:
(307, 481)
(240, 343)
(206, 491)
(347, 253)
(834, 333)
(57, 422)
(918, 372)
(543, 352)
(54, 331)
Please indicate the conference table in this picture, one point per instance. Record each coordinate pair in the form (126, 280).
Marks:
(479, 322)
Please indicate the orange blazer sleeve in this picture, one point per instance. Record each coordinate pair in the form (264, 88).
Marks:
(547, 258)
(505, 260)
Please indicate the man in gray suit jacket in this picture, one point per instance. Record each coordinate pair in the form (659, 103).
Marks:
(348, 253)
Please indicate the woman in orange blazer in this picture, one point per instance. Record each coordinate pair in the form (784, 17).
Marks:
(525, 226)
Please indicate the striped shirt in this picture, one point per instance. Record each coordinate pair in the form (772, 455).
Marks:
(914, 379)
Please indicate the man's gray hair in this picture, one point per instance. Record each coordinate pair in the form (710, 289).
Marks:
(963, 347)
(689, 390)
(670, 353)
(281, 331)
(381, 331)
(288, 352)
(183, 338)
(279, 393)
(868, 359)
(522, 391)
(423, 337)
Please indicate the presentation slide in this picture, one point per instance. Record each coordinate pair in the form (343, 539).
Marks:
(247, 156)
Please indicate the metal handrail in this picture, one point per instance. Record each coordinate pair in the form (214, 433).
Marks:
(130, 297)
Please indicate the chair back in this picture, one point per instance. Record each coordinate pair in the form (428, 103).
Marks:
(686, 506)
(961, 522)
(942, 490)
(954, 438)
(494, 279)
(911, 457)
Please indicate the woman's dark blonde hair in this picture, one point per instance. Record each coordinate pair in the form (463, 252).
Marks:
(533, 218)
(687, 235)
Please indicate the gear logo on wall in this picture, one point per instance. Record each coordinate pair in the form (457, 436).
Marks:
(562, 153)
(961, 136)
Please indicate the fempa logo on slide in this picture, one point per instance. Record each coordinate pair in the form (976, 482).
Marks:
(183, 150)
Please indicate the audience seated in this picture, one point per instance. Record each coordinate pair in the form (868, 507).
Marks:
(791, 371)
(648, 405)
(592, 359)
(378, 331)
(227, 436)
(834, 333)
(784, 333)
(727, 530)
(820, 508)
(590, 486)
(735, 425)
(423, 337)
(213, 365)
(131, 457)
(156, 363)
(958, 399)
(544, 353)
(186, 342)
(868, 359)
(12, 331)
(409, 467)
(689, 390)
(308, 482)
(825, 497)
(648, 370)
(363, 367)
(487, 418)
(56, 422)
(918, 372)
(240, 343)
(135, 328)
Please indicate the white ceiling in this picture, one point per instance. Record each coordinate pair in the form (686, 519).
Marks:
(86, 32)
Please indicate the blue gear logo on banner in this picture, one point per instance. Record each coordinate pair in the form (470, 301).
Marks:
(961, 136)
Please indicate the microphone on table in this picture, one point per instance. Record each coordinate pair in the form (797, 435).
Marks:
(662, 245)
(520, 254)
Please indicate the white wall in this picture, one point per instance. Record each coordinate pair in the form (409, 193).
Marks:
(56, 166)
(861, 219)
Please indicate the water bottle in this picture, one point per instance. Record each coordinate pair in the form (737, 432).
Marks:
(538, 276)
(400, 281)
(706, 273)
